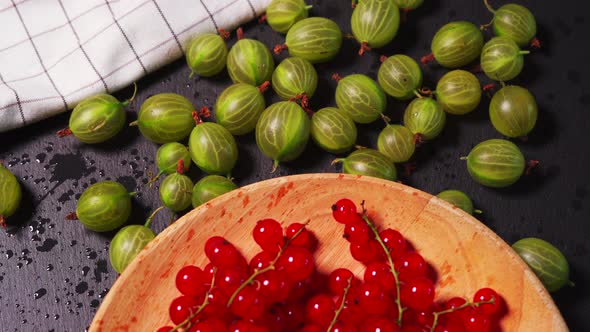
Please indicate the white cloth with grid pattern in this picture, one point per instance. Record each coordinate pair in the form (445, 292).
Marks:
(53, 53)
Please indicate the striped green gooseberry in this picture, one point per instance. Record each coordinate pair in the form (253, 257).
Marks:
(546, 261)
(458, 91)
(513, 111)
(295, 79)
(458, 199)
(455, 44)
(213, 148)
(368, 162)
(360, 97)
(104, 206)
(206, 54)
(408, 4)
(396, 142)
(425, 118)
(400, 76)
(167, 158)
(97, 118)
(209, 187)
(249, 61)
(502, 59)
(239, 106)
(282, 14)
(315, 39)
(165, 117)
(176, 191)
(282, 131)
(515, 22)
(10, 194)
(129, 242)
(333, 130)
(495, 163)
(374, 23)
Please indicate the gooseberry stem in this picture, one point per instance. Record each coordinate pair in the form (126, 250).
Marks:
(524, 52)
(64, 132)
(373, 228)
(463, 158)
(308, 7)
(336, 161)
(133, 124)
(148, 221)
(364, 48)
(271, 266)
(451, 310)
(427, 59)
(223, 34)
(72, 216)
(279, 48)
(264, 86)
(341, 307)
(130, 100)
(489, 7)
(155, 178)
(275, 165)
(385, 119)
(262, 18)
(2, 221)
(478, 211)
(417, 94)
(205, 303)
(240, 33)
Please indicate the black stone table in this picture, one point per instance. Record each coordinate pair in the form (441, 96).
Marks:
(54, 273)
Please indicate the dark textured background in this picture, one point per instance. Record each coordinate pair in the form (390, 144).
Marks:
(54, 273)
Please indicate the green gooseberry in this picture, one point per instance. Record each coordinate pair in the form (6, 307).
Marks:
(206, 54)
(495, 163)
(546, 261)
(515, 22)
(458, 199)
(459, 92)
(239, 106)
(129, 242)
(282, 14)
(213, 148)
(360, 97)
(250, 62)
(457, 44)
(209, 187)
(295, 78)
(425, 118)
(396, 142)
(10, 194)
(176, 192)
(333, 130)
(374, 23)
(282, 131)
(368, 162)
(408, 4)
(513, 111)
(400, 76)
(97, 118)
(502, 59)
(104, 206)
(165, 117)
(315, 39)
(169, 154)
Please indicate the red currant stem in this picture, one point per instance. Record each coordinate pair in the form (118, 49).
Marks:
(451, 310)
(205, 303)
(130, 100)
(489, 7)
(341, 307)
(270, 266)
(390, 260)
(148, 221)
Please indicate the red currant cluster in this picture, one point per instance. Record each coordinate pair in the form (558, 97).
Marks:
(278, 290)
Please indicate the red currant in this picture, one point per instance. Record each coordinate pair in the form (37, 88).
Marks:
(260, 261)
(456, 316)
(374, 300)
(320, 310)
(418, 293)
(487, 294)
(410, 266)
(248, 304)
(338, 281)
(476, 321)
(181, 308)
(380, 273)
(411, 328)
(209, 270)
(423, 317)
(366, 253)
(344, 211)
(297, 262)
(304, 239)
(343, 327)
(394, 241)
(310, 328)
(191, 281)
(293, 314)
(276, 318)
(246, 326)
(449, 327)
(222, 253)
(357, 232)
(273, 285)
(229, 279)
(209, 325)
(268, 234)
(380, 324)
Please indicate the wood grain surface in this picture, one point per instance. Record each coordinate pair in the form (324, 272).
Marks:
(465, 254)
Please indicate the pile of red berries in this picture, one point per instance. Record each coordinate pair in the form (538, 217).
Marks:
(279, 289)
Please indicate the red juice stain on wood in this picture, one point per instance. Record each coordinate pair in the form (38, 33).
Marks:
(134, 319)
(240, 220)
(190, 234)
(283, 191)
(166, 273)
(448, 280)
(245, 201)
(340, 176)
(240, 193)
(222, 212)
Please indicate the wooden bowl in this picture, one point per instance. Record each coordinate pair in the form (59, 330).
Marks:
(465, 254)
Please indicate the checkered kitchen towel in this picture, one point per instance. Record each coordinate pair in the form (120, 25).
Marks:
(53, 53)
